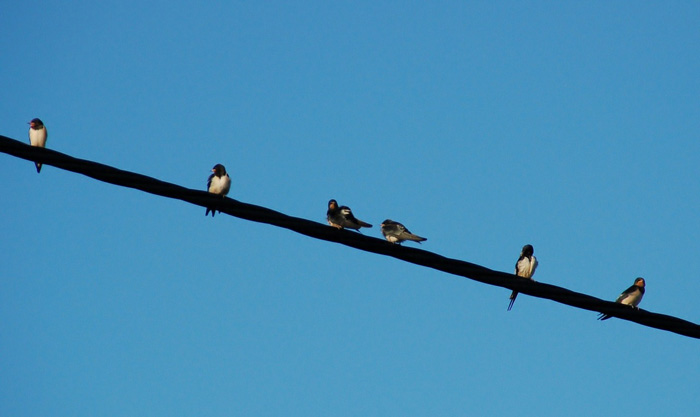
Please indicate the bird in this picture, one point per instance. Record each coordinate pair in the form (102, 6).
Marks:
(37, 137)
(395, 232)
(524, 267)
(218, 183)
(632, 296)
(341, 217)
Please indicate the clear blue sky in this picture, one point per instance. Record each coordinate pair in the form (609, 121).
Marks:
(480, 125)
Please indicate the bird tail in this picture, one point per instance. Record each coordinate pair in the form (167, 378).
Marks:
(416, 238)
(363, 224)
(213, 212)
(513, 296)
(603, 316)
(38, 167)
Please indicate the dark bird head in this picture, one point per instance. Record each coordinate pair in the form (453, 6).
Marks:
(219, 170)
(528, 250)
(36, 123)
(332, 205)
(639, 282)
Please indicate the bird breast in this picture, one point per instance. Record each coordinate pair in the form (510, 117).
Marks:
(220, 185)
(526, 267)
(37, 137)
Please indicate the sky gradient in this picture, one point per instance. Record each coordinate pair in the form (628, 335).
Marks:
(480, 126)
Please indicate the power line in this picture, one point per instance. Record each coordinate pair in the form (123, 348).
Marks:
(317, 230)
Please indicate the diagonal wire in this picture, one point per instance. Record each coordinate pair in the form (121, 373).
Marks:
(355, 240)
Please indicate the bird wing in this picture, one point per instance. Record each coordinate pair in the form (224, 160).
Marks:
(626, 293)
(209, 181)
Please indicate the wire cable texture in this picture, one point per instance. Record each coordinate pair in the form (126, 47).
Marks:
(355, 240)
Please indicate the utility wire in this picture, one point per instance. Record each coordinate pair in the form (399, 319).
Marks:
(317, 230)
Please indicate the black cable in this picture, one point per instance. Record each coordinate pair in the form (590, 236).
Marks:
(370, 244)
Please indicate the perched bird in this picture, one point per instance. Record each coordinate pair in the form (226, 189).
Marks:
(342, 217)
(525, 267)
(37, 137)
(632, 296)
(219, 183)
(395, 232)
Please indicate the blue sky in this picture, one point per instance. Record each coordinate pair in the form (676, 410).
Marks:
(481, 126)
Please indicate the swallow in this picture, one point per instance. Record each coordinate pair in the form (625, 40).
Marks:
(632, 296)
(37, 137)
(524, 267)
(342, 217)
(395, 232)
(218, 183)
